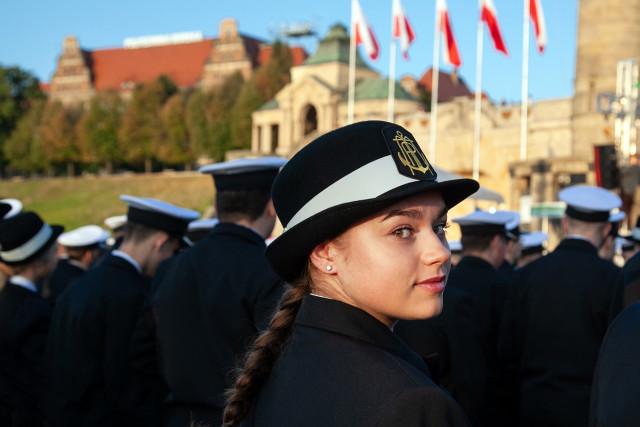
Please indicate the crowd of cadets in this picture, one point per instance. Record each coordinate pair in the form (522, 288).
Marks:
(146, 327)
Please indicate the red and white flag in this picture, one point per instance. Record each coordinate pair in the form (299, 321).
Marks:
(490, 17)
(450, 51)
(537, 17)
(402, 28)
(362, 30)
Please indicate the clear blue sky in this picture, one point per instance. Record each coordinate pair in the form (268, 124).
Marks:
(32, 32)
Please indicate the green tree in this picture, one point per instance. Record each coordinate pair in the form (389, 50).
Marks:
(18, 90)
(99, 129)
(140, 135)
(221, 110)
(267, 80)
(23, 148)
(176, 147)
(248, 101)
(199, 121)
(58, 136)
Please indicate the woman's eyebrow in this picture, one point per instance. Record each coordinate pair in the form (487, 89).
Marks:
(411, 213)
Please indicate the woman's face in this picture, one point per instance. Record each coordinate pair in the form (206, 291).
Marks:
(394, 264)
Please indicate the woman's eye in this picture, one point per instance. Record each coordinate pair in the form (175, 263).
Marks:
(403, 232)
(440, 228)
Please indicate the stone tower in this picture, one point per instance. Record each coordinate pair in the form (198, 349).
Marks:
(608, 31)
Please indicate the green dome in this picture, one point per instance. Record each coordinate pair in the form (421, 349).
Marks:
(334, 48)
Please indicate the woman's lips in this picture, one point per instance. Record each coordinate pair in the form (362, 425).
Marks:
(433, 284)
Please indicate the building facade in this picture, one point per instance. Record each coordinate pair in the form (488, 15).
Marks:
(189, 59)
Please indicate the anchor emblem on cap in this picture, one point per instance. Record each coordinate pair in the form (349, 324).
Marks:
(410, 155)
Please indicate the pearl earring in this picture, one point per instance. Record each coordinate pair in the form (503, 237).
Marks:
(329, 268)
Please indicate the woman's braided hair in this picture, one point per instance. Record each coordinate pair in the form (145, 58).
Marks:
(264, 352)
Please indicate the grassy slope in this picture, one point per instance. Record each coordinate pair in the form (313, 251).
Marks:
(74, 202)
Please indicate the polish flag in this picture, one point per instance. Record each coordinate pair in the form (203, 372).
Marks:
(362, 31)
(490, 17)
(402, 28)
(537, 17)
(450, 51)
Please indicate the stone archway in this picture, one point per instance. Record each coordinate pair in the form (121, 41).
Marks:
(310, 117)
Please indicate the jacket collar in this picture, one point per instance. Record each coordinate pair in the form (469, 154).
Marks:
(577, 245)
(238, 230)
(338, 317)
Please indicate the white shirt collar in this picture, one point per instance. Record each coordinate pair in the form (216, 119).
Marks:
(24, 283)
(126, 256)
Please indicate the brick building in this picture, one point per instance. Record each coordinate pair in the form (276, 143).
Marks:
(189, 59)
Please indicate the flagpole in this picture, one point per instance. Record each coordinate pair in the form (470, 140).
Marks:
(352, 67)
(392, 78)
(524, 106)
(435, 74)
(478, 100)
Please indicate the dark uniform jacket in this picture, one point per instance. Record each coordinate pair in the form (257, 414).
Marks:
(65, 273)
(210, 304)
(24, 322)
(89, 345)
(508, 270)
(343, 367)
(454, 351)
(560, 309)
(616, 390)
(631, 280)
(488, 289)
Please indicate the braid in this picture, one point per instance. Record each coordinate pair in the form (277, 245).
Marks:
(263, 354)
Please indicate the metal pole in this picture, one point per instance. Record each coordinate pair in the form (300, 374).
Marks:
(352, 68)
(435, 74)
(524, 106)
(478, 101)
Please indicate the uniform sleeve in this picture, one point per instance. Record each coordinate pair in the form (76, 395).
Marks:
(422, 407)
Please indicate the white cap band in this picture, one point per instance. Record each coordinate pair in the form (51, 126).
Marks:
(366, 182)
(30, 247)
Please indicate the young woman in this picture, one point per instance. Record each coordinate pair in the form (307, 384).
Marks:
(363, 245)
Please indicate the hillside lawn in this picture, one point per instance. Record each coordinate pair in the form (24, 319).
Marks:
(78, 201)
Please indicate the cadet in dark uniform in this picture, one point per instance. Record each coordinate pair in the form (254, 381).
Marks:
(456, 252)
(559, 311)
(514, 248)
(616, 389)
(363, 246)
(200, 228)
(92, 323)
(8, 208)
(83, 246)
(484, 244)
(215, 297)
(607, 248)
(28, 247)
(532, 247)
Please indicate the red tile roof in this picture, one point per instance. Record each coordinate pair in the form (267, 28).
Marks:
(449, 86)
(111, 68)
(182, 62)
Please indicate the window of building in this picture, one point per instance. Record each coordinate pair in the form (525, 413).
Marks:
(274, 138)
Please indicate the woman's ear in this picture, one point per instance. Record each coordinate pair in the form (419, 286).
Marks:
(321, 257)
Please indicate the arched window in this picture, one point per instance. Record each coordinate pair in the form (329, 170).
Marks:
(310, 120)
